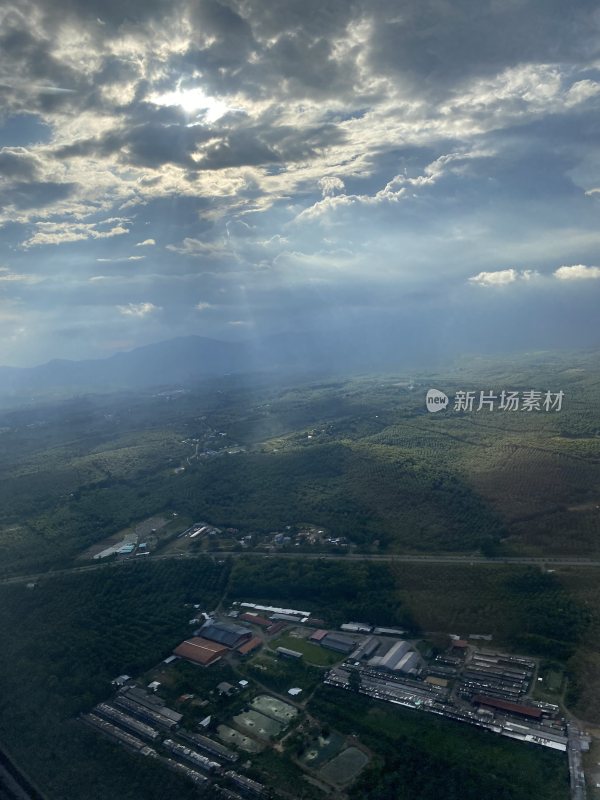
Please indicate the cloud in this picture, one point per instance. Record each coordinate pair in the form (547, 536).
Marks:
(577, 272)
(123, 258)
(503, 277)
(330, 185)
(138, 309)
(146, 243)
(6, 276)
(62, 232)
(203, 306)
(197, 249)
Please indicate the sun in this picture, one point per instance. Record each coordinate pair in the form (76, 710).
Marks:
(192, 101)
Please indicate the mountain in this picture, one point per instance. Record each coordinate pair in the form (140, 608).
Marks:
(192, 358)
(176, 361)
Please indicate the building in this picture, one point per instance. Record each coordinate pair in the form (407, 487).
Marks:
(318, 636)
(250, 646)
(276, 627)
(200, 651)
(390, 659)
(433, 681)
(399, 658)
(286, 618)
(366, 649)
(507, 707)
(389, 632)
(225, 633)
(285, 652)
(256, 619)
(225, 688)
(356, 627)
(338, 642)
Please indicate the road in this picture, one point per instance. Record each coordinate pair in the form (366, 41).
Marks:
(456, 560)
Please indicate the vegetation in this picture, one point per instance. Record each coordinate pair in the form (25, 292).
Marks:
(362, 460)
(63, 643)
(431, 758)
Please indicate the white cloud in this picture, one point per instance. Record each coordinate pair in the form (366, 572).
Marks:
(203, 306)
(61, 232)
(576, 273)
(329, 185)
(6, 276)
(499, 278)
(138, 309)
(503, 277)
(125, 258)
(146, 243)
(196, 248)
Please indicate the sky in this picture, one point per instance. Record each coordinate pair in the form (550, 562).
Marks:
(241, 169)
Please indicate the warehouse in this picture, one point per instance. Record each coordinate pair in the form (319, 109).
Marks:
(399, 658)
(256, 619)
(224, 633)
(285, 652)
(509, 708)
(366, 649)
(390, 660)
(318, 635)
(200, 651)
(250, 646)
(336, 641)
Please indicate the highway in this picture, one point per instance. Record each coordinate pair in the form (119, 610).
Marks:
(456, 560)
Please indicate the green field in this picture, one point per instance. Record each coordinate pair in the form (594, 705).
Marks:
(344, 767)
(313, 653)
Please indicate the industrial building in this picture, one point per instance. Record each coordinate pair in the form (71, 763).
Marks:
(200, 651)
(114, 732)
(338, 642)
(399, 658)
(318, 635)
(149, 708)
(250, 646)
(388, 632)
(366, 649)
(208, 745)
(356, 627)
(255, 619)
(509, 708)
(246, 784)
(126, 721)
(225, 633)
(285, 652)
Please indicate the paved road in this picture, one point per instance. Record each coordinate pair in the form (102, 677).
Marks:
(457, 560)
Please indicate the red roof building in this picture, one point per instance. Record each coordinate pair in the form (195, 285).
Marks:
(318, 635)
(200, 651)
(276, 627)
(249, 646)
(510, 708)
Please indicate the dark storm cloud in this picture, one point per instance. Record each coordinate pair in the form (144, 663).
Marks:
(18, 163)
(433, 45)
(34, 194)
